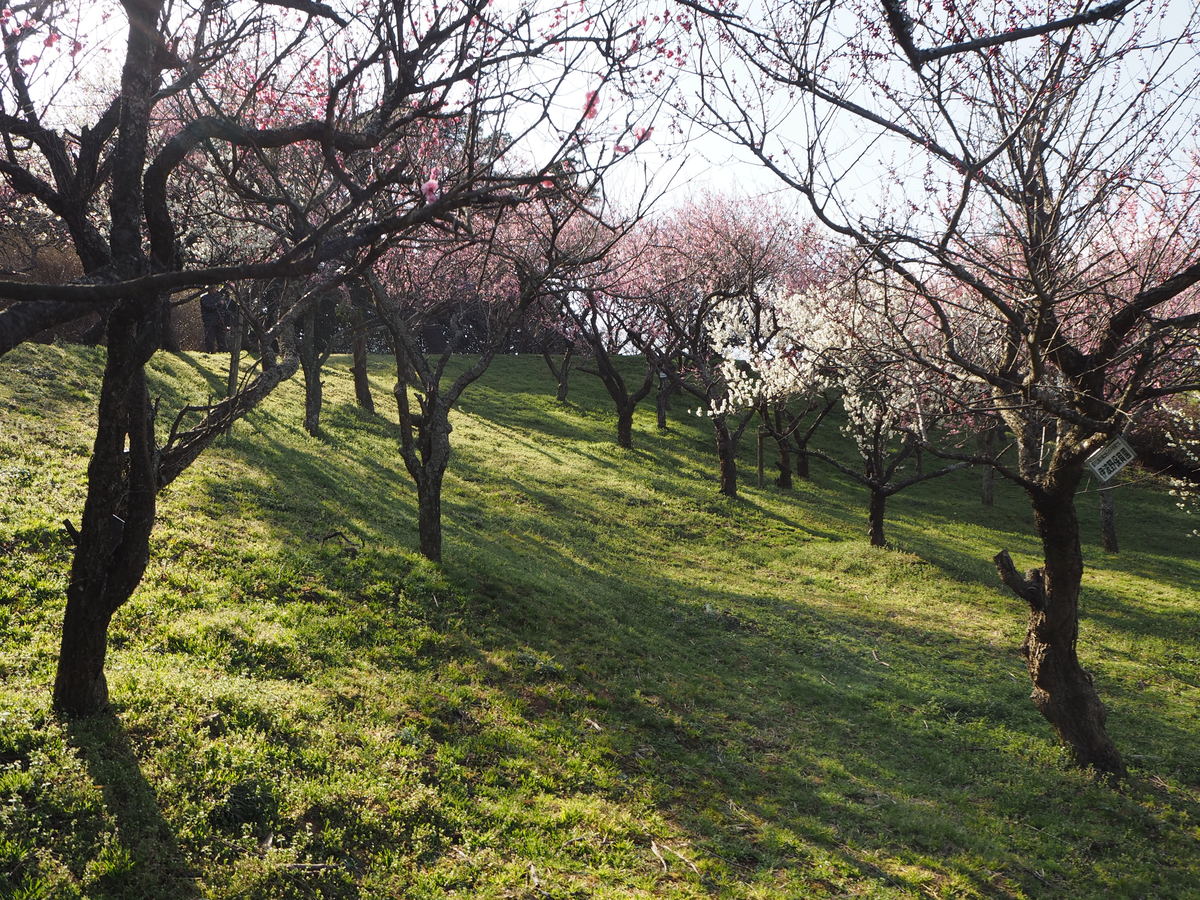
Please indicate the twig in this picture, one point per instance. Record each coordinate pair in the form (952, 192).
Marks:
(658, 855)
(309, 867)
(689, 863)
(343, 536)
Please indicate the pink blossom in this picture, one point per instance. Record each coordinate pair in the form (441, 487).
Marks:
(430, 190)
(547, 182)
(51, 39)
(591, 104)
(620, 148)
(642, 134)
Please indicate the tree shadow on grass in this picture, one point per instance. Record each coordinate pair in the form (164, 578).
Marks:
(772, 736)
(751, 782)
(795, 774)
(152, 865)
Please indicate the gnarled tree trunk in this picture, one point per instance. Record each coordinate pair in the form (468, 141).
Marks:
(802, 467)
(1062, 690)
(560, 371)
(429, 511)
(662, 400)
(112, 546)
(987, 486)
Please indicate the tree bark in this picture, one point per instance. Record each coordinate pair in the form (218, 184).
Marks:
(362, 385)
(803, 470)
(80, 688)
(561, 372)
(626, 401)
(625, 425)
(425, 449)
(726, 456)
(662, 401)
(1063, 691)
(784, 480)
(429, 513)
(113, 544)
(564, 382)
(1108, 520)
(170, 342)
(235, 350)
(877, 507)
(310, 364)
(426, 459)
(987, 487)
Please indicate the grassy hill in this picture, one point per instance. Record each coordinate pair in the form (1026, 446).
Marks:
(619, 685)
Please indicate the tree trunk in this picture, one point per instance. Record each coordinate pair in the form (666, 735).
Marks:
(310, 364)
(80, 688)
(625, 426)
(987, 487)
(878, 505)
(170, 342)
(726, 456)
(662, 401)
(1062, 690)
(112, 547)
(561, 372)
(428, 468)
(429, 513)
(1108, 519)
(784, 480)
(362, 386)
(801, 467)
(235, 351)
(564, 374)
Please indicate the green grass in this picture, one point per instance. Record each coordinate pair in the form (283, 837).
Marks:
(619, 685)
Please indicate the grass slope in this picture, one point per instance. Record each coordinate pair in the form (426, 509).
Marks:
(620, 685)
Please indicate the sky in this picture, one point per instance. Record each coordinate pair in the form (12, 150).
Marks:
(680, 161)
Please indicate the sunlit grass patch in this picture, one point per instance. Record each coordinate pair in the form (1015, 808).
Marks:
(619, 685)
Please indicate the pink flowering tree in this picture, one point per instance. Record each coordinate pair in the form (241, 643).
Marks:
(605, 310)
(1031, 172)
(476, 290)
(414, 284)
(316, 134)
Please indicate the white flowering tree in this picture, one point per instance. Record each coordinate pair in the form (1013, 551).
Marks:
(839, 340)
(718, 264)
